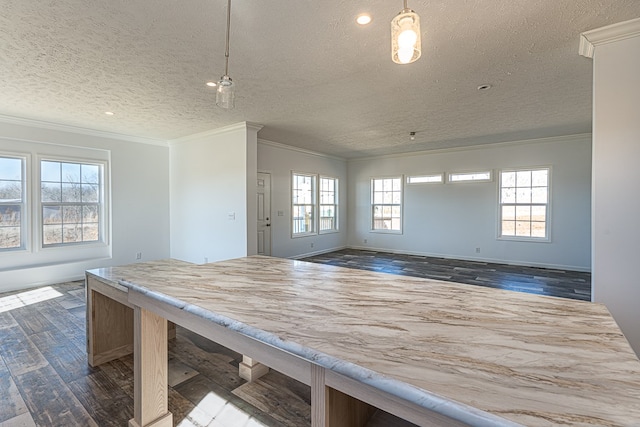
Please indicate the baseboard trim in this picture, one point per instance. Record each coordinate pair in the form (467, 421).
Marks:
(320, 252)
(476, 259)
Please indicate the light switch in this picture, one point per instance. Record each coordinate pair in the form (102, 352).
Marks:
(280, 213)
(231, 216)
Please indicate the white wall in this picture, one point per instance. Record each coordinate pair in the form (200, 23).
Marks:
(139, 202)
(280, 160)
(452, 220)
(616, 177)
(213, 181)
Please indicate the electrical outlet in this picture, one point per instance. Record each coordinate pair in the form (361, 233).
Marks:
(139, 255)
(365, 241)
(312, 245)
(477, 250)
(206, 260)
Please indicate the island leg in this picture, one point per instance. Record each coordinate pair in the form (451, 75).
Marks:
(251, 370)
(150, 371)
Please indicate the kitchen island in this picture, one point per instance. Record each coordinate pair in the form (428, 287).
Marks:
(426, 351)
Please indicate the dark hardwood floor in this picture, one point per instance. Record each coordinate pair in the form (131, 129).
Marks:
(542, 281)
(45, 379)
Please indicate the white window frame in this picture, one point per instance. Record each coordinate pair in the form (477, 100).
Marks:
(547, 205)
(373, 204)
(105, 211)
(437, 178)
(335, 204)
(25, 206)
(469, 176)
(314, 205)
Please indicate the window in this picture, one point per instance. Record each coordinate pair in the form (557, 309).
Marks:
(424, 179)
(524, 202)
(328, 204)
(484, 176)
(71, 200)
(386, 204)
(12, 209)
(304, 204)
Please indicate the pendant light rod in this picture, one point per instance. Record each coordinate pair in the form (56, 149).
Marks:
(225, 92)
(226, 51)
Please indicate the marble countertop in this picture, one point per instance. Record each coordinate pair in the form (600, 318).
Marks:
(529, 359)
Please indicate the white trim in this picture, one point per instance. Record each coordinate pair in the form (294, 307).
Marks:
(316, 224)
(548, 205)
(467, 173)
(427, 176)
(214, 132)
(551, 139)
(372, 204)
(320, 252)
(609, 34)
(104, 240)
(298, 150)
(80, 130)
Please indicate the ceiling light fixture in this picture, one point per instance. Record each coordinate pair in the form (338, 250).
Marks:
(109, 113)
(412, 136)
(484, 87)
(225, 93)
(406, 45)
(212, 84)
(363, 19)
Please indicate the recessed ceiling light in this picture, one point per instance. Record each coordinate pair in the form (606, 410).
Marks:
(364, 19)
(109, 113)
(212, 84)
(484, 87)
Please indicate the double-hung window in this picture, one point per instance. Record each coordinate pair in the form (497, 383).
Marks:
(304, 204)
(314, 204)
(12, 203)
(328, 204)
(524, 204)
(71, 195)
(386, 204)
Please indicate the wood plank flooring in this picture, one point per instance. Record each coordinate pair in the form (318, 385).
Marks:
(45, 379)
(542, 281)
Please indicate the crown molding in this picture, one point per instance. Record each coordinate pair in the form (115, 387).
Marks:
(299, 150)
(218, 131)
(79, 130)
(547, 140)
(609, 34)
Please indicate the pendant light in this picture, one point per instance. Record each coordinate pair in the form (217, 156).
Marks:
(225, 92)
(405, 36)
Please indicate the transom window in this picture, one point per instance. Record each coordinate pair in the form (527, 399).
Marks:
(482, 176)
(386, 204)
(304, 204)
(425, 179)
(11, 203)
(524, 203)
(328, 204)
(71, 201)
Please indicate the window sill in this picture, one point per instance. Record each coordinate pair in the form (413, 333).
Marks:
(524, 239)
(386, 231)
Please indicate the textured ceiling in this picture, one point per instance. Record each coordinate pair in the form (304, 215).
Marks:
(305, 70)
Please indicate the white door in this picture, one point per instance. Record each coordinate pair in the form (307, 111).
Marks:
(264, 213)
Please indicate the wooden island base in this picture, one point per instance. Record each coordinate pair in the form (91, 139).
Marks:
(116, 327)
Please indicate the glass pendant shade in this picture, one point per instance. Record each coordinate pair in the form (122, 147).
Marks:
(225, 93)
(405, 37)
